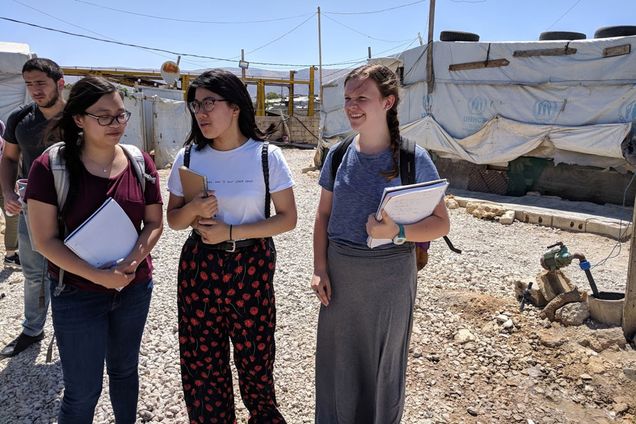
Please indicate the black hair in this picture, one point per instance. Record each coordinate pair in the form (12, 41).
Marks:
(231, 88)
(84, 93)
(50, 68)
(387, 82)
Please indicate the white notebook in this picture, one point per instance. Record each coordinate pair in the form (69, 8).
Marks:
(408, 204)
(105, 238)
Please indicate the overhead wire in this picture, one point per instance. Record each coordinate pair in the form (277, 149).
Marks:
(192, 21)
(91, 31)
(184, 54)
(285, 34)
(220, 59)
(377, 11)
(362, 33)
(564, 14)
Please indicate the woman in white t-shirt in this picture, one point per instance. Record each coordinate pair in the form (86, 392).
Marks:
(225, 290)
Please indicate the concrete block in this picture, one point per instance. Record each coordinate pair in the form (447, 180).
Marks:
(610, 229)
(569, 224)
(533, 218)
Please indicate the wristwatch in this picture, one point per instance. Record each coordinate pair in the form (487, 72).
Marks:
(400, 238)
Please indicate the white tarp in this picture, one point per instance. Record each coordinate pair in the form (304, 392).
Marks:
(565, 99)
(502, 140)
(171, 128)
(12, 90)
(134, 128)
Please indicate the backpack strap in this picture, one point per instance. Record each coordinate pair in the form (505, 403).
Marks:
(61, 178)
(265, 163)
(338, 155)
(23, 112)
(407, 161)
(61, 181)
(186, 156)
(136, 158)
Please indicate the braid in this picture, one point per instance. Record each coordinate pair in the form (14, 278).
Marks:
(394, 131)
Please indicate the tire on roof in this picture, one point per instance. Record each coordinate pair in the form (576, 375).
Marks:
(615, 31)
(458, 36)
(562, 35)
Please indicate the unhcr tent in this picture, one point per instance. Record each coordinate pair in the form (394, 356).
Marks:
(570, 102)
(12, 90)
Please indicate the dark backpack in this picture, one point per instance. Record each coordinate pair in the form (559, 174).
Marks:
(264, 162)
(406, 163)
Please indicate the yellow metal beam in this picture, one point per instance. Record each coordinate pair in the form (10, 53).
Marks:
(260, 98)
(310, 106)
(290, 98)
(274, 81)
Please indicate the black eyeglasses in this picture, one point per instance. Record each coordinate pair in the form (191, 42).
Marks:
(206, 104)
(106, 120)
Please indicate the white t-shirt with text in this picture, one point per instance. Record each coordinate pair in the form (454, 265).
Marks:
(236, 177)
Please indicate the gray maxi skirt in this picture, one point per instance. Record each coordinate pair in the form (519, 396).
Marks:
(363, 335)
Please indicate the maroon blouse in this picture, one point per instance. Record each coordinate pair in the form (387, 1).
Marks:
(93, 191)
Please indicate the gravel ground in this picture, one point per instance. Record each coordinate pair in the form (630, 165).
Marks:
(493, 376)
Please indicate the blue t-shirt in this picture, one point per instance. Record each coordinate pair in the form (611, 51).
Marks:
(358, 189)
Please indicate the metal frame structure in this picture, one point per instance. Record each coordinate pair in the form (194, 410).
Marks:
(131, 76)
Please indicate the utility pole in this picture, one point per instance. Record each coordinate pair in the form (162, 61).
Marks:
(430, 77)
(629, 309)
(419, 37)
(242, 60)
(319, 57)
(369, 51)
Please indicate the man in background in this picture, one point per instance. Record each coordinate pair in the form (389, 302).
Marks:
(24, 137)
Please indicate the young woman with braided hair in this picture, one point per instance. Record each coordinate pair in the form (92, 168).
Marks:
(367, 295)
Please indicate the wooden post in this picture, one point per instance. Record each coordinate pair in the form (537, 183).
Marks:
(319, 57)
(430, 77)
(629, 310)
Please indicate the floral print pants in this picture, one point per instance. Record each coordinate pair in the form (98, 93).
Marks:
(222, 297)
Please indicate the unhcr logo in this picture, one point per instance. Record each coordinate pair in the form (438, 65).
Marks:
(629, 113)
(545, 110)
(477, 105)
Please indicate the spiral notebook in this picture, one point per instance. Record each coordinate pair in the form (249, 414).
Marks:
(408, 204)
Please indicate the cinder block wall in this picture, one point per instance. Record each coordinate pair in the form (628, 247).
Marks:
(298, 132)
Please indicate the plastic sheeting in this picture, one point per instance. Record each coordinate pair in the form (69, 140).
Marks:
(502, 140)
(12, 94)
(134, 129)
(12, 90)
(575, 108)
(171, 128)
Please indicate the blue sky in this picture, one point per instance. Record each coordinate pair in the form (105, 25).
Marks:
(289, 36)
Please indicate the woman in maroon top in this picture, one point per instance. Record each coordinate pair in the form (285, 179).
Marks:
(94, 322)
